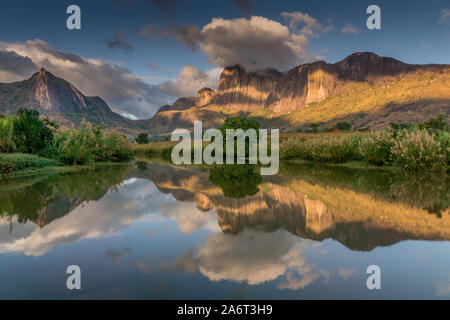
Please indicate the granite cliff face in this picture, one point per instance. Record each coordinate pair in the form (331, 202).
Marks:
(60, 100)
(363, 89)
(301, 85)
(239, 90)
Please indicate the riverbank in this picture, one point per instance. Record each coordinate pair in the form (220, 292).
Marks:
(18, 165)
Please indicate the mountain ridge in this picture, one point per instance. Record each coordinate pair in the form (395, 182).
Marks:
(279, 100)
(364, 89)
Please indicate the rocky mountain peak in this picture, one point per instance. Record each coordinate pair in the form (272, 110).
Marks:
(204, 96)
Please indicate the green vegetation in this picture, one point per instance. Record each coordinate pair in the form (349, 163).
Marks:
(236, 181)
(29, 142)
(155, 149)
(86, 145)
(142, 138)
(344, 126)
(16, 161)
(415, 147)
(57, 194)
(235, 123)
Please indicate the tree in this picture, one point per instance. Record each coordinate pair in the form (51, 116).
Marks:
(243, 123)
(31, 134)
(314, 127)
(142, 138)
(344, 126)
(236, 181)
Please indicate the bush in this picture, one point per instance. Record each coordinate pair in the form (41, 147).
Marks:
(84, 145)
(375, 149)
(344, 126)
(236, 123)
(142, 138)
(32, 134)
(419, 150)
(7, 144)
(335, 148)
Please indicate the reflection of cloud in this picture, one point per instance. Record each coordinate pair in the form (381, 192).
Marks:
(254, 257)
(445, 16)
(106, 217)
(118, 254)
(346, 273)
(443, 287)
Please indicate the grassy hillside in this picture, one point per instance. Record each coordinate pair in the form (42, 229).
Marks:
(412, 97)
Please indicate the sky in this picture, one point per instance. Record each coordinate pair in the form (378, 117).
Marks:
(140, 54)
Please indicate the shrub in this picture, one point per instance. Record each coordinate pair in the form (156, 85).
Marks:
(375, 149)
(32, 134)
(142, 138)
(419, 150)
(7, 144)
(344, 126)
(324, 148)
(236, 123)
(113, 147)
(84, 145)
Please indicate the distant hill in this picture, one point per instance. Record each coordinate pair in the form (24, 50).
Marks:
(60, 100)
(364, 89)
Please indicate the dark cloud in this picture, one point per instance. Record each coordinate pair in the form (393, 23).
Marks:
(15, 65)
(264, 44)
(245, 6)
(165, 7)
(189, 35)
(119, 87)
(119, 43)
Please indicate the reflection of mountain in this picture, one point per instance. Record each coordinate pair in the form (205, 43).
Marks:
(360, 209)
(316, 211)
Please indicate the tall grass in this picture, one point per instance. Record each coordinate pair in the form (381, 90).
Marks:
(7, 144)
(322, 148)
(16, 162)
(155, 149)
(412, 149)
(84, 145)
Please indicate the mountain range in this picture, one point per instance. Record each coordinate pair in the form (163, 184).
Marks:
(364, 89)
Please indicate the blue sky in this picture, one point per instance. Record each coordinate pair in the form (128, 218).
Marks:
(412, 31)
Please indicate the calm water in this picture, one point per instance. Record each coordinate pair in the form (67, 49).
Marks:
(154, 231)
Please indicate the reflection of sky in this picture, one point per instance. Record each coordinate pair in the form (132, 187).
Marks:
(140, 243)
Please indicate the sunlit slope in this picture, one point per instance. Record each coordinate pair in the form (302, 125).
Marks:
(410, 97)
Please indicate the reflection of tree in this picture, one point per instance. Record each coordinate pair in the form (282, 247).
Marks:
(141, 165)
(428, 191)
(50, 198)
(236, 181)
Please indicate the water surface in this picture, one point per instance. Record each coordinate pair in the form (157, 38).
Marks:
(151, 230)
